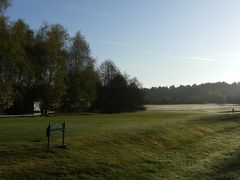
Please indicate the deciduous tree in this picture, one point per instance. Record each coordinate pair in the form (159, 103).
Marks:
(81, 76)
(4, 4)
(49, 58)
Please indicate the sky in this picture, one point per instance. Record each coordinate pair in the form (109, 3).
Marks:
(161, 42)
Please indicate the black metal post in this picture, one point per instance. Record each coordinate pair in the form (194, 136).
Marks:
(48, 135)
(63, 130)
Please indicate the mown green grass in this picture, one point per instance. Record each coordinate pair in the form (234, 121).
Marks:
(143, 145)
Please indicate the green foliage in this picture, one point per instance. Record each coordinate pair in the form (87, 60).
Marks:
(49, 66)
(81, 91)
(21, 38)
(81, 77)
(220, 92)
(4, 4)
(115, 91)
(6, 66)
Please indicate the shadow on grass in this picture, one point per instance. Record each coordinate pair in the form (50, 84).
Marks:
(219, 118)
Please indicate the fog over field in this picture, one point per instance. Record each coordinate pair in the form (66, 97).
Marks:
(211, 108)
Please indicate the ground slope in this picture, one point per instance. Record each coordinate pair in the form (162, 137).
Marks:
(143, 145)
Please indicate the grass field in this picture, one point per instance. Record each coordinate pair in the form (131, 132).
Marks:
(161, 143)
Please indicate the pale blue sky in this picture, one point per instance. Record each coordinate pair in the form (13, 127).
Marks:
(161, 42)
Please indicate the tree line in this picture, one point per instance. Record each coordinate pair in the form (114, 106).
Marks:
(57, 69)
(219, 92)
